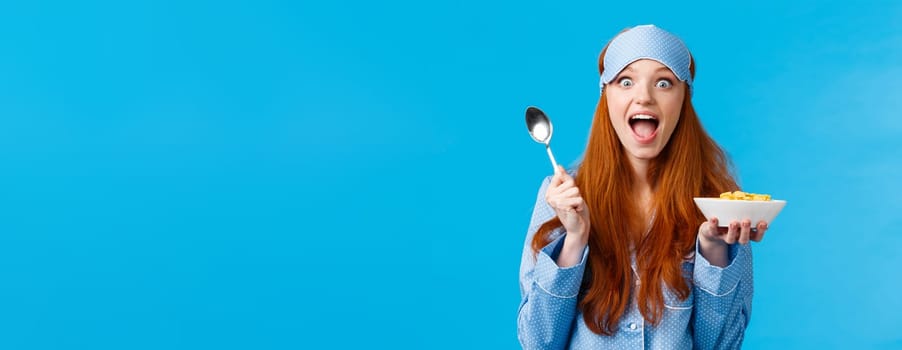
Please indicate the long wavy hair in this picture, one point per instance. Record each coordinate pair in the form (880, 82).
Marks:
(690, 165)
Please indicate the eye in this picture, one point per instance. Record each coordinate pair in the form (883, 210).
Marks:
(664, 83)
(625, 82)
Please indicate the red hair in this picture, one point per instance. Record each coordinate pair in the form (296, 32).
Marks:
(690, 165)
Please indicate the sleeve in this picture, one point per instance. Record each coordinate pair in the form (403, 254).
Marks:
(723, 299)
(548, 293)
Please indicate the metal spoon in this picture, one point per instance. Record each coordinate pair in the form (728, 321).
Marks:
(540, 129)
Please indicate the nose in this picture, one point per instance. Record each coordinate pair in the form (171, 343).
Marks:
(643, 95)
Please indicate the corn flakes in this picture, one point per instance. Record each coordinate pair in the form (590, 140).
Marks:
(739, 195)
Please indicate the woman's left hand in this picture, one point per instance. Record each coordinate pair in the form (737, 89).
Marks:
(737, 231)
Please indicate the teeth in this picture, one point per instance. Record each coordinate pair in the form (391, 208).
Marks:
(642, 117)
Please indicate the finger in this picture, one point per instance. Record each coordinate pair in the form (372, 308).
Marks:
(560, 171)
(561, 182)
(716, 229)
(732, 233)
(559, 203)
(557, 178)
(759, 234)
(710, 227)
(745, 229)
(556, 181)
(554, 188)
(570, 192)
(567, 180)
(711, 230)
(553, 194)
(571, 203)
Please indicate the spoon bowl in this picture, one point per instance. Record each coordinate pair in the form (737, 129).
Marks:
(540, 129)
(538, 124)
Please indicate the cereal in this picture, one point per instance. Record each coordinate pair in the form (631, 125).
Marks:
(739, 195)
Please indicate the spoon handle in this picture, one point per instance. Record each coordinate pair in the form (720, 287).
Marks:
(553, 162)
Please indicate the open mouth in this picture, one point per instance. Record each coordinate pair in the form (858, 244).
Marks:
(644, 126)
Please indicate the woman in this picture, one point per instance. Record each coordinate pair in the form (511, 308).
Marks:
(617, 255)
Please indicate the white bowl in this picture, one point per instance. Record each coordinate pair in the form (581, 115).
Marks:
(726, 210)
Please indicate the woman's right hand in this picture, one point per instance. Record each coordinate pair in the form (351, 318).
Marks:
(563, 196)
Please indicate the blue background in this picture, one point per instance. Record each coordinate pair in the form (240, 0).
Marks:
(350, 174)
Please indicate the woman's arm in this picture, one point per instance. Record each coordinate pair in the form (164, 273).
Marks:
(723, 298)
(723, 282)
(548, 292)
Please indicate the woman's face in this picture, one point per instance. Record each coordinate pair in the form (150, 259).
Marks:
(644, 103)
